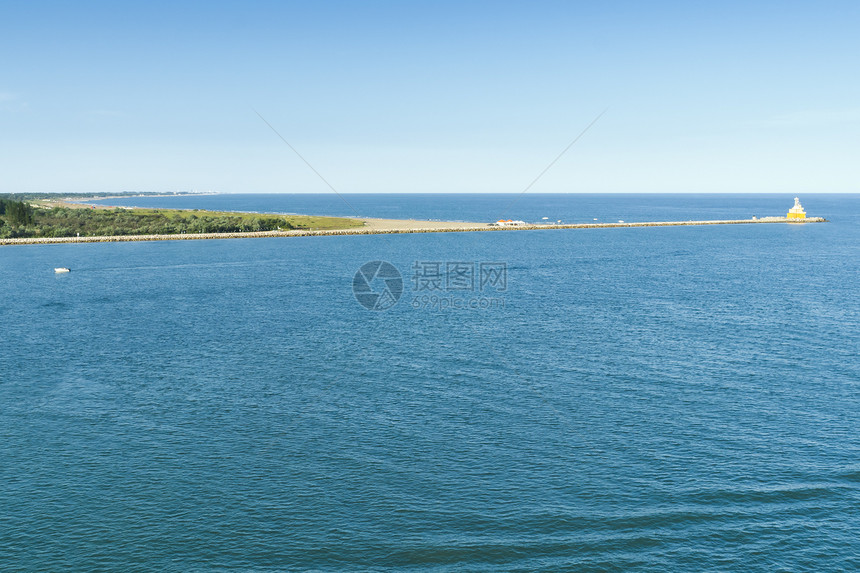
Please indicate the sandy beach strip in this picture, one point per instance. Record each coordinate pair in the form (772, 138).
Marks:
(393, 226)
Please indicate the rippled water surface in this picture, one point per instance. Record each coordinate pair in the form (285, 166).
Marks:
(675, 399)
(530, 207)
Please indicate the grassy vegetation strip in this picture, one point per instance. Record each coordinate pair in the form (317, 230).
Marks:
(19, 220)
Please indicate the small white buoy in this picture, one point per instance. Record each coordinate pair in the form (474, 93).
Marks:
(61, 270)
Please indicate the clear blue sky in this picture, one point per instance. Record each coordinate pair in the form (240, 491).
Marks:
(433, 96)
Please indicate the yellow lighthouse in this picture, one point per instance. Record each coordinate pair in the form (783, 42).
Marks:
(797, 211)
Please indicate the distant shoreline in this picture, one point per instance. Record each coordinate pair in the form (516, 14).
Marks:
(394, 226)
(141, 195)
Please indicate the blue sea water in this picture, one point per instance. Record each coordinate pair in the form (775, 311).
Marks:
(531, 207)
(632, 399)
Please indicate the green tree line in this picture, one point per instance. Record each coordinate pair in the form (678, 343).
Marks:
(22, 220)
(16, 213)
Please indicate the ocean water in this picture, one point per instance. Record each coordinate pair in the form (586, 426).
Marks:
(632, 399)
(531, 207)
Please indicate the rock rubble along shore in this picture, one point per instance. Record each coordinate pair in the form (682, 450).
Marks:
(380, 228)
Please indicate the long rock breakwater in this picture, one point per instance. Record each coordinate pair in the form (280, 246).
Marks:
(426, 227)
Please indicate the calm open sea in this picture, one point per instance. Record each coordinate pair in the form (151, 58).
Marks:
(637, 399)
(531, 207)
